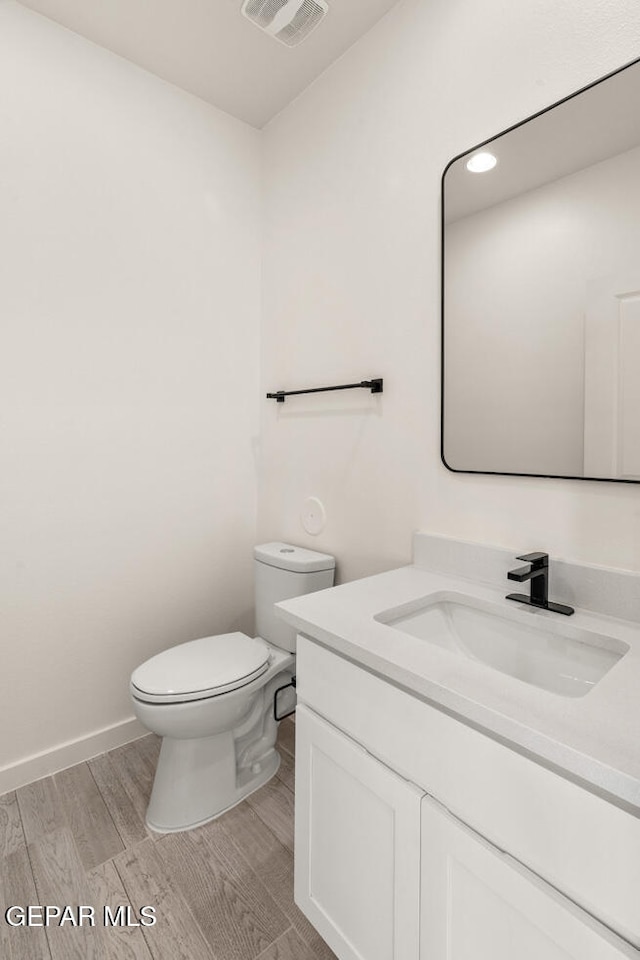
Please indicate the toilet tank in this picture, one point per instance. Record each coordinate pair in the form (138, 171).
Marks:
(282, 572)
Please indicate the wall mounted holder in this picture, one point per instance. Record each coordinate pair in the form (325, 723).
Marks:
(374, 385)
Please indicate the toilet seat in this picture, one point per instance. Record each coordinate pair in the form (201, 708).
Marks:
(202, 668)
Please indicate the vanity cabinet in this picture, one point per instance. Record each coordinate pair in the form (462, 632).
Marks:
(357, 846)
(421, 838)
(478, 903)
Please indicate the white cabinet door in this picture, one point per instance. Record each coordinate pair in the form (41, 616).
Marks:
(357, 853)
(479, 904)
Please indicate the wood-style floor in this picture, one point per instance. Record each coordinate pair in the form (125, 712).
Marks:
(221, 892)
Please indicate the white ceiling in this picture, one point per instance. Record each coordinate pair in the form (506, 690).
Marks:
(208, 48)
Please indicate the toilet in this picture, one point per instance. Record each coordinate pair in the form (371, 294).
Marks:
(217, 701)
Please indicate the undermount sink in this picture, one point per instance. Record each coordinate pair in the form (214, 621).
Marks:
(528, 644)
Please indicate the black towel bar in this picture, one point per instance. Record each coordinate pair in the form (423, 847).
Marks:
(374, 385)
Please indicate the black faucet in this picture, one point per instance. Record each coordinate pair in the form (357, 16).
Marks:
(538, 574)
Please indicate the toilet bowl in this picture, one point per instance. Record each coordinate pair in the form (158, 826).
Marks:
(212, 700)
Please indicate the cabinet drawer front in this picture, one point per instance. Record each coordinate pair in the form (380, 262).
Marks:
(357, 863)
(479, 904)
(587, 848)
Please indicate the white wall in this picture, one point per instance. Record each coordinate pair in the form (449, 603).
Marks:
(352, 173)
(521, 278)
(129, 297)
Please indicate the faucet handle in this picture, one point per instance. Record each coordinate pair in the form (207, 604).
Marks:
(537, 559)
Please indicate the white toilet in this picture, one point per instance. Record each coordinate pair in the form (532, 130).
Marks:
(213, 700)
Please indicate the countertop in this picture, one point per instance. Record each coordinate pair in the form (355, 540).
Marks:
(593, 739)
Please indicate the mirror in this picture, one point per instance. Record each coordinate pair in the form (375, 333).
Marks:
(541, 293)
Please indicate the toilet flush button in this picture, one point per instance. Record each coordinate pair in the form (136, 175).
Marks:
(313, 516)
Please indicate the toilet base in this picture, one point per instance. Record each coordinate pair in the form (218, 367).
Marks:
(196, 782)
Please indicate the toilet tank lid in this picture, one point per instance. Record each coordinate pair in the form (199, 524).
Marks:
(298, 559)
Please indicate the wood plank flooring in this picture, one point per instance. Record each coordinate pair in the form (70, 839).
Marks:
(221, 892)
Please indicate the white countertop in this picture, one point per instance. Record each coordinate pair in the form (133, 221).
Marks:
(594, 739)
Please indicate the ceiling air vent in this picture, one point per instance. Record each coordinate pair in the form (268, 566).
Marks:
(289, 21)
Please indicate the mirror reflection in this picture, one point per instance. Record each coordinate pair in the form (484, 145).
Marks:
(541, 293)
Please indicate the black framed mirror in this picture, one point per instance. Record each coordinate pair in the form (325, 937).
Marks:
(541, 292)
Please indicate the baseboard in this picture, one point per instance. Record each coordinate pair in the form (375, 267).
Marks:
(66, 754)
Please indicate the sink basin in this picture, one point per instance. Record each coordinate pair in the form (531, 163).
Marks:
(531, 645)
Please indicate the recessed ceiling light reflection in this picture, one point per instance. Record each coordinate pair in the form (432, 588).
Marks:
(481, 162)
